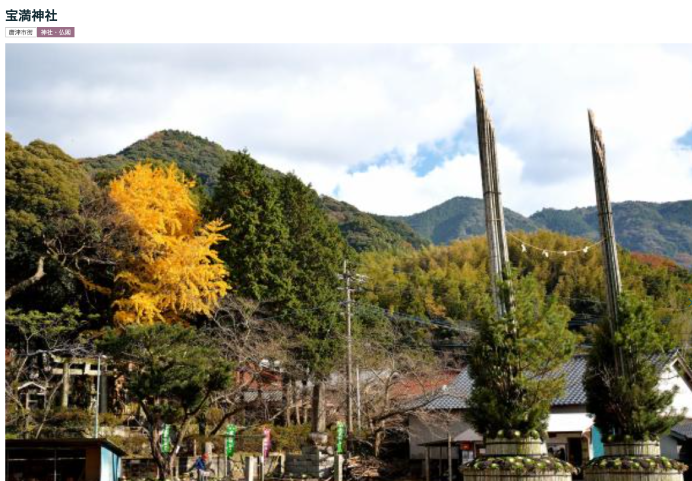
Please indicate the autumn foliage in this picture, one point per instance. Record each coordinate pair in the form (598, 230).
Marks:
(170, 269)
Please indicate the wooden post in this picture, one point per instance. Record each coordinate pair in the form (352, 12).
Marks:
(250, 468)
(607, 228)
(439, 462)
(339, 467)
(286, 398)
(494, 214)
(306, 403)
(65, 398)
(427, 463)
(449, 456)
(358, 406)
(297, 394)
(103, 389)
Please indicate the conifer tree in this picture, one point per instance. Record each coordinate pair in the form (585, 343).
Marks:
(315, 252)
(516, 372)
(173, 374)
(247, 199)
(626, 401)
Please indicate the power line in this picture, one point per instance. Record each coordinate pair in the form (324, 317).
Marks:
(301, 310)
(441, 323)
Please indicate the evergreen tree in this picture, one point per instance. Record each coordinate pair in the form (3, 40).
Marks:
(173, 374)
(44, 192)
(246, 198)
(315, 251)
(626, 400)
(38, 188)
(515, 363)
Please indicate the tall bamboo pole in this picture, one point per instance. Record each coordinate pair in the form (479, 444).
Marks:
(494, 215)
(607, 227)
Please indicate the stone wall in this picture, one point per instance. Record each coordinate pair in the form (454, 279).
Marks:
(142, 468)
(312, 462)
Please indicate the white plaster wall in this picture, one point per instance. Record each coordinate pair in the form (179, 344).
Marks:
(683, 398)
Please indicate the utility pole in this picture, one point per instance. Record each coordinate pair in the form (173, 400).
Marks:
(349, 350)
(358, 408)
(494, 214)
(349, 278)
(607, 227)
(98, 405)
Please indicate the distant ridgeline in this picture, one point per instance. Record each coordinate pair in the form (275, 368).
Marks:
(202, 157)
(663, 229)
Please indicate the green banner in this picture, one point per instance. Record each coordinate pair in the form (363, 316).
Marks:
(231, 429)
(340, 437)
(166, 439)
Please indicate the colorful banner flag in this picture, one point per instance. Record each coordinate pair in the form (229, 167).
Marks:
(166, 439)
(340, 437)
(266, 443)
(231, 430)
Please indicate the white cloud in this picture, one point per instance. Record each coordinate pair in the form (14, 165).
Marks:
(323, 111)
(538, 97)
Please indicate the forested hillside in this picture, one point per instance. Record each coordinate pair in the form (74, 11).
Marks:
(460, 218)
(192, 154)
(413, 278)
(131, 253)
(451, 281)
(663, 229)
(203, 158)
(365, 231)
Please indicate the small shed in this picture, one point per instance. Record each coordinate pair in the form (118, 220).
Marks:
(73, 459)
(451, 449)
(683, 433)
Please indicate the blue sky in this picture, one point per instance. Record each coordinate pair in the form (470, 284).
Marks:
(388, 128)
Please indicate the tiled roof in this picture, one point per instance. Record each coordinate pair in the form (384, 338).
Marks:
(415, 387)
(574, 393)
(270, 396)
(454, 397)
(683, 430)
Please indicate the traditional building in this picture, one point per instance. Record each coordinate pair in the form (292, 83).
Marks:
(81, 459)
(572, 435)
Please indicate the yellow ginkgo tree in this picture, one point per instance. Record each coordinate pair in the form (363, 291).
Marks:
(169, 269)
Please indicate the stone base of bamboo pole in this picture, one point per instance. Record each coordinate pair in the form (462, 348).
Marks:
(517, 460)
(633, 461)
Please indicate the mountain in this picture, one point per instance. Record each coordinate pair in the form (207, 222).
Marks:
(192, 153)
(365, 231)
(202, 157)
(664, 229)
(459, 218)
